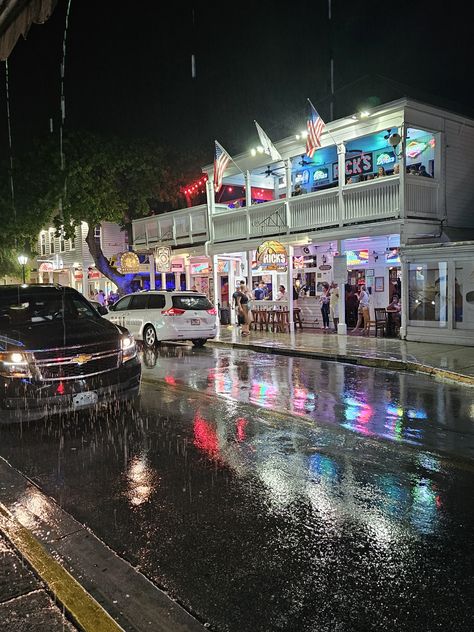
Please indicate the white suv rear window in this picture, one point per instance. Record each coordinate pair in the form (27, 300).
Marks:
(192, 302)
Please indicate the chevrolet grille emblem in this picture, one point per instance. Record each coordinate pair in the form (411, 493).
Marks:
(82, 359)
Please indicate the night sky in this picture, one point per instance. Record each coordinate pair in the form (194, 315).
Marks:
(129, 72)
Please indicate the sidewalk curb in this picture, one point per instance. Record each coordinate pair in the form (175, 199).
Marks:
(382, 363)
(109, 594)
(84, 610)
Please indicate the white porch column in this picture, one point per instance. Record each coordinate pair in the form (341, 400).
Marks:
(290, 251)
(248, 189)
(402, 171)
(340, 277)
(163, 280)
(50, 277)
(177, 280)
(341, 169)
(288, 178)
(210, 196)
(187, 269)
(404, 299)
(215, 279)
(276, 188)
(249, 269)
(231, 290)
(151, 261)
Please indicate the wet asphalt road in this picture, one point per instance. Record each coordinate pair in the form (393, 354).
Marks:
(261, 521)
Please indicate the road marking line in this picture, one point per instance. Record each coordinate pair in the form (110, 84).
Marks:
(83, 608)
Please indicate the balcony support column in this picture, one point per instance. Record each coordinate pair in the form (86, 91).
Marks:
(341, 170)
(402, 172)
(187, 269)
(291, 303)
(248, 200)
(288, 178)
(341, 281)
(163, 281)
(210, 207)
(151, 261)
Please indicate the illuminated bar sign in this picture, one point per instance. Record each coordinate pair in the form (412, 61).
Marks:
(356, 165)
(272, 256)
(357, 257)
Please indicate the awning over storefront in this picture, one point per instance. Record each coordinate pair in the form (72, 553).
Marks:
(16, 17)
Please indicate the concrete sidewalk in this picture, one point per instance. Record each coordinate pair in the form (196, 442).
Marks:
(24, 602)
(449, 362)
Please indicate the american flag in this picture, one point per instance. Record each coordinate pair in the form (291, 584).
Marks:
(315, 126)
(221, 160)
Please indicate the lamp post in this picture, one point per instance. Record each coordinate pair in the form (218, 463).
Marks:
(23, 260)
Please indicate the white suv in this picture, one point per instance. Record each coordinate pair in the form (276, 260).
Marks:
(158, 316)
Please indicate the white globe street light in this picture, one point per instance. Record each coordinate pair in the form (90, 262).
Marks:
(23, 260)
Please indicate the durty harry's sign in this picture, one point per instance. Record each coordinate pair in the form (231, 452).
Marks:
(272, 256)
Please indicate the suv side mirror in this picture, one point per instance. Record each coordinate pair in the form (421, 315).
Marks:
(102, 310)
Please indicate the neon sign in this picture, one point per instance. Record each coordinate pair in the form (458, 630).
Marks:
(357, 257)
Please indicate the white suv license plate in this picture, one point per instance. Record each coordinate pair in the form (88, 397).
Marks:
(83, 400)
(195, 321)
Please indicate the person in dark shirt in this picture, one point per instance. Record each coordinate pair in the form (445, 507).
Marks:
(422, 172)
(259, 292)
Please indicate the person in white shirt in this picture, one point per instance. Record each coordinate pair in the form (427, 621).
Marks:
(363, 311)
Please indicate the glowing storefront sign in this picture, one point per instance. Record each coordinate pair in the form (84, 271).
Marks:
(357, 257)
(272, 256)
(200, 268)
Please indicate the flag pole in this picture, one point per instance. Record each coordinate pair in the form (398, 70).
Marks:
(325, 126)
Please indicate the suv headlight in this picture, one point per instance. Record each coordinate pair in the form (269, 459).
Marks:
(14, 364)
(129, 348)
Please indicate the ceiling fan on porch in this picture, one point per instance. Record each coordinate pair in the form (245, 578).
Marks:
(271, 172)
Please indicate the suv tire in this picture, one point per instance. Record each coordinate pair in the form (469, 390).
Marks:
(149, 337)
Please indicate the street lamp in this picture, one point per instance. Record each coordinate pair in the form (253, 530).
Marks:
(23, 260)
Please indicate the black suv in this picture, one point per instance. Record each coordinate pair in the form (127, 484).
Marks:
(57, 354)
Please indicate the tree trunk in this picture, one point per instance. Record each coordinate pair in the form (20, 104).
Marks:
(122, 281)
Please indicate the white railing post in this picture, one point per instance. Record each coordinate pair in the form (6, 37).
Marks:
(248, 201)
(402, 192)
(210, 207)
(291, 310)
(288, 178)
(341, 170)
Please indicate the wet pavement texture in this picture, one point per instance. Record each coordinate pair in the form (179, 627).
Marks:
(263, 521)
(24, 604)
(456, 358)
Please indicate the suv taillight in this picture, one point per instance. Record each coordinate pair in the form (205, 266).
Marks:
(212, 311)
(173, 311)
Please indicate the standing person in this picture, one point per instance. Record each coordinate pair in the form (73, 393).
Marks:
(243, 309)
(324, 300)
(281, 296)
(334, 304)
(235, 305)
(259, 292)
(101, 298)
(363, 311)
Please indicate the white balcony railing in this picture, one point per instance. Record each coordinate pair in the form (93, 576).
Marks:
(355, 203)
(177, 227)
(371, 200)
(422, 197)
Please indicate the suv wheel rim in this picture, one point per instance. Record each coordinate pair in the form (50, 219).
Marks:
(150, 337)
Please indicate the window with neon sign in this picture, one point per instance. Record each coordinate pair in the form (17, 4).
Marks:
(357, 257)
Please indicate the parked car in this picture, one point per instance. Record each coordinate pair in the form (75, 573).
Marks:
(154, 316)
(58, 355)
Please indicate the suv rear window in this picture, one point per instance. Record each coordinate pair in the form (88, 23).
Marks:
(192, 302)
(156, 301)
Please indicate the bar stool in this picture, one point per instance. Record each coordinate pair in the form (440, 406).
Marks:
(283, 321)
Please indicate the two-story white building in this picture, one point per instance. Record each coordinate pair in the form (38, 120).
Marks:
(68, 261)
(407, 178)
